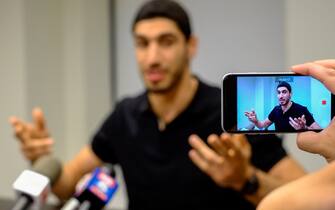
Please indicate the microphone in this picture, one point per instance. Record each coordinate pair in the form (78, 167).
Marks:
(96, 192)
(32, 186)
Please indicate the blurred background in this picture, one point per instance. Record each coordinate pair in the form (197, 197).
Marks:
(75, 59)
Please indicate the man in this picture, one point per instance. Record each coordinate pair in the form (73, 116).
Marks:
(148, 134)
(315, 191)
(287, 116)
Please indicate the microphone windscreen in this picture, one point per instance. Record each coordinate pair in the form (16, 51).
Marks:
(48, 166)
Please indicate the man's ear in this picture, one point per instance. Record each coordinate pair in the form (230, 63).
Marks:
(192, 46)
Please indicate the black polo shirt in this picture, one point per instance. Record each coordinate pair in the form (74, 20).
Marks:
(157, 170)
(281, 120)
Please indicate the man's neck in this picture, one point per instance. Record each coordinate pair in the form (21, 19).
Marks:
(287, 106)
(169, 105)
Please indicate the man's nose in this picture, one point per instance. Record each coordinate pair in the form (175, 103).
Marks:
(153, 54)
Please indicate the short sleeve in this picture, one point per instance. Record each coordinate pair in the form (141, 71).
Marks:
(309, 117)
(272, 115)
(102, 143)
(267, 151)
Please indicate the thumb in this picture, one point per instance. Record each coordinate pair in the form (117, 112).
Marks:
(320, 143)
(38, 118)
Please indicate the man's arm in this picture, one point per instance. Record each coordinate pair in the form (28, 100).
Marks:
(253, 118)
(314, 126)
(312, 192)
(283, 172)
(74, 170)
(263, 124)
(35, 142)
(227, 162)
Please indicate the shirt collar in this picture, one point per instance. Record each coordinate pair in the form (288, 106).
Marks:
(144, 105)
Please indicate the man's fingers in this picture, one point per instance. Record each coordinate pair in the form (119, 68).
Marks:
(293, 121)
(313, 69)
(217, 145)
(309, 141)
(227, 142)
(20, 131)
(329, 63)
(36, 148)
(303, 118)
(203, 150)
(322, 70)
(198, 160)
(38, 118)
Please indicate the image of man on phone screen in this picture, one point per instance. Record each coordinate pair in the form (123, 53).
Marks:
(288, 115)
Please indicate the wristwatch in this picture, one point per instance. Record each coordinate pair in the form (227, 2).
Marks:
(251, 186)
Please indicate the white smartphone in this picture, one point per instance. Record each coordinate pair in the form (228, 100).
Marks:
(274, 103)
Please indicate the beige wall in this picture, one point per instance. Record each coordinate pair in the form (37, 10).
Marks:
(54, 54)
(310, 35)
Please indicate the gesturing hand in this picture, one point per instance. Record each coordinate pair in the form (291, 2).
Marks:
(34, 137)
(298, 123)
(251, 116)
(226, 161)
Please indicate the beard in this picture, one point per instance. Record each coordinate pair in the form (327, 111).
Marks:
(284, 102)
(171, 81)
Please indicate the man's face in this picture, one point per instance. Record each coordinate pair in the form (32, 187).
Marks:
(284, 96)
(162, 53)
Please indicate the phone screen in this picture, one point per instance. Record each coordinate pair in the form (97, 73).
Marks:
(275, 103)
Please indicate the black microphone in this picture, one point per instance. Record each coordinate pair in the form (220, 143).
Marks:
(32, 186)
(96, 192)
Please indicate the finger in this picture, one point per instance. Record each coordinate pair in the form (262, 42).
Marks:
(227, 142)
(304, 120)
(239, 140)
(36, 147)
(202, 149)
(20, 132)
(35, 154)
(309, 142)
(198, 160)
(330, 63)
(315, 70)
(293, 121)
(38, 118)
(216, 144)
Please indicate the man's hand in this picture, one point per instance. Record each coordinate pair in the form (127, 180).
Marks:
(251, 116)
(298, 123)
(226, 161)
(34, 137)
(322, 143)
(322, 70)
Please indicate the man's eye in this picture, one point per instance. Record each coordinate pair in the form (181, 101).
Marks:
(166, 42)
(141, 43)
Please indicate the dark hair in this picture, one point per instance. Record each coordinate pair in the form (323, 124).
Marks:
(284, 84)
(166, 9)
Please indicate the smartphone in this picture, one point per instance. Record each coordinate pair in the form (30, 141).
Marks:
(274, 103)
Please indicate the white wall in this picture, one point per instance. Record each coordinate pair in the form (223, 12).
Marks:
(310, 35)
(54, 54)
(12, 89)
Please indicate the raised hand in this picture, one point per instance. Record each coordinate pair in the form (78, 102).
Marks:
(251, 116)
(298, 123)
(226, 161)
(34, 137)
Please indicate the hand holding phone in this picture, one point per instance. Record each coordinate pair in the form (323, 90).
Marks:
(274, 103)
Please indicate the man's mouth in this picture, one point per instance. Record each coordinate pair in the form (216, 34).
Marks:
(154, 75)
